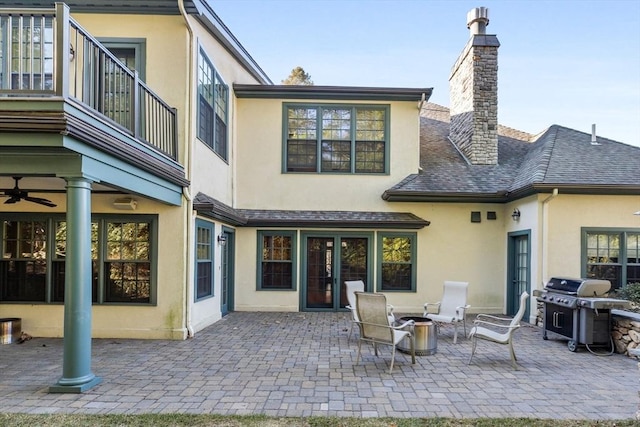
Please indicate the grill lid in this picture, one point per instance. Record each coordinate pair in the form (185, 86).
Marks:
(578, 287)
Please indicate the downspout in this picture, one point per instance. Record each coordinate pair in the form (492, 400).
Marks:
(189, 217)
(543, 231)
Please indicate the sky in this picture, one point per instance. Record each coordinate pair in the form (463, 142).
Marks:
(566, 62)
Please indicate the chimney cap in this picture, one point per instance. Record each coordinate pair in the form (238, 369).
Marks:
(477, 20)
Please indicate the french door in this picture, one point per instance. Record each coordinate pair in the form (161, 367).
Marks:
(519, 270)
(329, 260)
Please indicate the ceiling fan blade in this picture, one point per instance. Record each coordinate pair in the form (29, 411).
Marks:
(40, 201)
(12, 200)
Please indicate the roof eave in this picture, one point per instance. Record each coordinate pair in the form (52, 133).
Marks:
(449, 197)
(214, 24)
(332, 92)
(405, 225)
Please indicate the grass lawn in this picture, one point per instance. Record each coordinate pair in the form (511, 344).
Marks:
(10, 420)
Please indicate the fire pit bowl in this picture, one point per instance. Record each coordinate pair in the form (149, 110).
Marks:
(425, 333)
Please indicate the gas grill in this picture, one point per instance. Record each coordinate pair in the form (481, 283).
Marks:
(579, 310)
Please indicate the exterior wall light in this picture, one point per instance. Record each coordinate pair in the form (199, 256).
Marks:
(516, 214)
(222, 239)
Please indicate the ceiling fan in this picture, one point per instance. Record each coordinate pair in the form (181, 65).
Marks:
(16, 194)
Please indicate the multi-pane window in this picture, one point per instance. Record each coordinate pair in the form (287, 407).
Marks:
(276, 260)
(32, 267)
(338, 139)
(58, 266)
(23, 269)
(612, 255)
(213, 107)
(204, 259)
(397, 261)
(128, 263)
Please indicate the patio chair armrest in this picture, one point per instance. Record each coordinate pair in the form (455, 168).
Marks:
(410, 322)
(463, 309)
(428, 304)
(493, 318)
(390, 309)
(497, 325)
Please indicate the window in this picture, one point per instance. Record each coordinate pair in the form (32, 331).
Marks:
(612, 255)
(32, 267)
(397, 259)
(336, 139)
(204, 259)
(127, 266)
(276, 260)
(213, 105)
(58, 261)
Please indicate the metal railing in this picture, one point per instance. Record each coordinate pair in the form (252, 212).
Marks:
(46, 52)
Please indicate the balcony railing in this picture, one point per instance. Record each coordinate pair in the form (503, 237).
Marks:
(46, 52)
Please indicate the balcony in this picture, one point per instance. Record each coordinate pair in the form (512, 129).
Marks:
(46, 55)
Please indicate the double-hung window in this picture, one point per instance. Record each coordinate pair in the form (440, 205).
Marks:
(397, 261)
(204, 259)
(213, 106)
(276, 260)
(336, 139)
(612, 254)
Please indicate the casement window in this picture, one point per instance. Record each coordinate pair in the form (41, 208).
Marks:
(123, 259)
(611, 254)
(276, 260)
(336, 139)
(397, 262)
(204, 259)
(213, 106)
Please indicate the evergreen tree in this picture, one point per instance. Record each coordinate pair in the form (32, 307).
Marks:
(298, 77)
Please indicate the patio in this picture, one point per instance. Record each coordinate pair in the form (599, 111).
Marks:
(302, 364)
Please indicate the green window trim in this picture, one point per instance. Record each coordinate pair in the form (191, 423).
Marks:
(276, 260)
(612, 254)
(336, 138)
(213, 107)
(204, 260)
(133, 237)
(396, 262)
(137, 45)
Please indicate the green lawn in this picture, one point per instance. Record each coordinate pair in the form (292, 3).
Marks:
(260, 421)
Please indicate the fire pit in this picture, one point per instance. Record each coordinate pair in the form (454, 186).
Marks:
(426, 338)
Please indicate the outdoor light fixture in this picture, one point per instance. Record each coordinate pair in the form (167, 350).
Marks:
(516, 214)
(125, 203)
(222, 239)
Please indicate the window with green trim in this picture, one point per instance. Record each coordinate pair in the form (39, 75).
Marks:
(213, 106)
(276, 260)
(204, 259)
(123, 258)
(336, 139)
(397, 261)
(612, 255)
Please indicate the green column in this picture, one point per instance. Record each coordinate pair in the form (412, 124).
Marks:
(76, 366)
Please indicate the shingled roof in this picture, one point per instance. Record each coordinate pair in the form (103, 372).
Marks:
(213, 208)
(558, 158)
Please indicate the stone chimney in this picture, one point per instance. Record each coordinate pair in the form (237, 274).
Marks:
(473, 91)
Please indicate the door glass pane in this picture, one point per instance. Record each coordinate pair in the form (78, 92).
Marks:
(319, 272)
(353, 264)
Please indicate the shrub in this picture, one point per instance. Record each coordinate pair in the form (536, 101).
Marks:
(630, 292)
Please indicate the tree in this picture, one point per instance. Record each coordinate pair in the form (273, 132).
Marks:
(298, 77)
